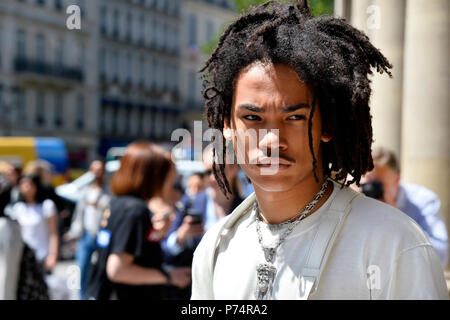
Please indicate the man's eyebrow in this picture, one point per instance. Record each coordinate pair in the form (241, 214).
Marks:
(286, 109)
(251, 107)
(295, 107)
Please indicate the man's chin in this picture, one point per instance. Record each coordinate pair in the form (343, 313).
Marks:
(272, 183)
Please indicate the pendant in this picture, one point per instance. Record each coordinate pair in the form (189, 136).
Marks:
(265, 276)
(269, 253)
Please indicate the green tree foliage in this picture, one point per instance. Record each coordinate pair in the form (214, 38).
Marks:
(319, 7)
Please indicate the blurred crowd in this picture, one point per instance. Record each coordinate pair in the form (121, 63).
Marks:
(135, 234)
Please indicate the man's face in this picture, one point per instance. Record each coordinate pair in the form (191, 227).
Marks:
(388, 178)
(195, 184)
(270, 97)
(12, 175)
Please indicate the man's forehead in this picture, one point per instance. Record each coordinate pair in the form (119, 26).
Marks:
(277, 85)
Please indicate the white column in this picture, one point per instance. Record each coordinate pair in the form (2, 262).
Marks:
(387, 34)
(426, 96)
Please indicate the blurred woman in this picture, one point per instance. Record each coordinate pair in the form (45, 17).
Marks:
(38, 221)
(162, 204)
(129, 264)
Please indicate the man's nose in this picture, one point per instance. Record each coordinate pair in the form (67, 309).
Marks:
(272, 140)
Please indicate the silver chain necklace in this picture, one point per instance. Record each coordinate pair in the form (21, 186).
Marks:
(266, 272)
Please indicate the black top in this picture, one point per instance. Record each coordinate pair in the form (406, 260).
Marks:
(128, 230)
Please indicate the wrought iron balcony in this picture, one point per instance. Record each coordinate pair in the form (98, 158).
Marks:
(47, 69)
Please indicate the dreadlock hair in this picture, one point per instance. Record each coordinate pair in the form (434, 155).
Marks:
(328, 54)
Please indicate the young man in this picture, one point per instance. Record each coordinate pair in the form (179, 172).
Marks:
(419, 203)
(302, 235)
(86, 221)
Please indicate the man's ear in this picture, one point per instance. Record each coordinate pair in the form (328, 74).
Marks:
(326, 137)
(227, 131)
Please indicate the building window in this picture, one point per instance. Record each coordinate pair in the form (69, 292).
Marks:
(20, 105)
(103, 19)
(40, 48)
(165, 37)
(154, 33)
(82, 5)
(192, 30)
(116, 23)
(128, 67)
(115, 66)
(40, 108)
(40, 2)
(59, 54)
(140, 120)
(156, 75)
(59, 110)
(142, 30)
(20, 44)
(175, 78)
(102, 64)
(129, 31)
(82, 57)
(161, 35)
(79, 117)
(142, 70)
(101, 119)
(58, 5)
(114, 120)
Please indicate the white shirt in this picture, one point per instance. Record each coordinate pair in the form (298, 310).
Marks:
(33, 220)
(380, 253)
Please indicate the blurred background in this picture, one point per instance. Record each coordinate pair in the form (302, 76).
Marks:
(70, 95)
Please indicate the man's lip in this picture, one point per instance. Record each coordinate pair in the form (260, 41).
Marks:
(273, 161)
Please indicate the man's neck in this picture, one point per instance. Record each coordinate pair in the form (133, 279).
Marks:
(278, 207)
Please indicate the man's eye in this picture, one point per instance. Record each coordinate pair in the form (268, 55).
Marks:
(297, 117)
(251, 117)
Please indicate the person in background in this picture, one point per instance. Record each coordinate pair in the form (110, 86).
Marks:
(9, 186)
(86, 221)
(195, 184)
(162, 205)
(129, 255)
(418, 202)
(44, 170)
(37, 217)
(199, 213)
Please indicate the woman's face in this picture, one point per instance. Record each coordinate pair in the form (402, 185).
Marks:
(28, 189)
(169, 182)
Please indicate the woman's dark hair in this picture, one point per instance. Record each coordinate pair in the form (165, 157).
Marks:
(143, 170)
(332, 57)
(41, 193)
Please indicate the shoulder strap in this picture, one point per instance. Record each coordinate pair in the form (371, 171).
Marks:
(240, 211)
(322, 244)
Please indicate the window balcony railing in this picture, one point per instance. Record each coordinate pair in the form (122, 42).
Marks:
(44, 68)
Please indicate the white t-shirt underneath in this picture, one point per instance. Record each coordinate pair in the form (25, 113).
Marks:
(33, 220)
(380, 253)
